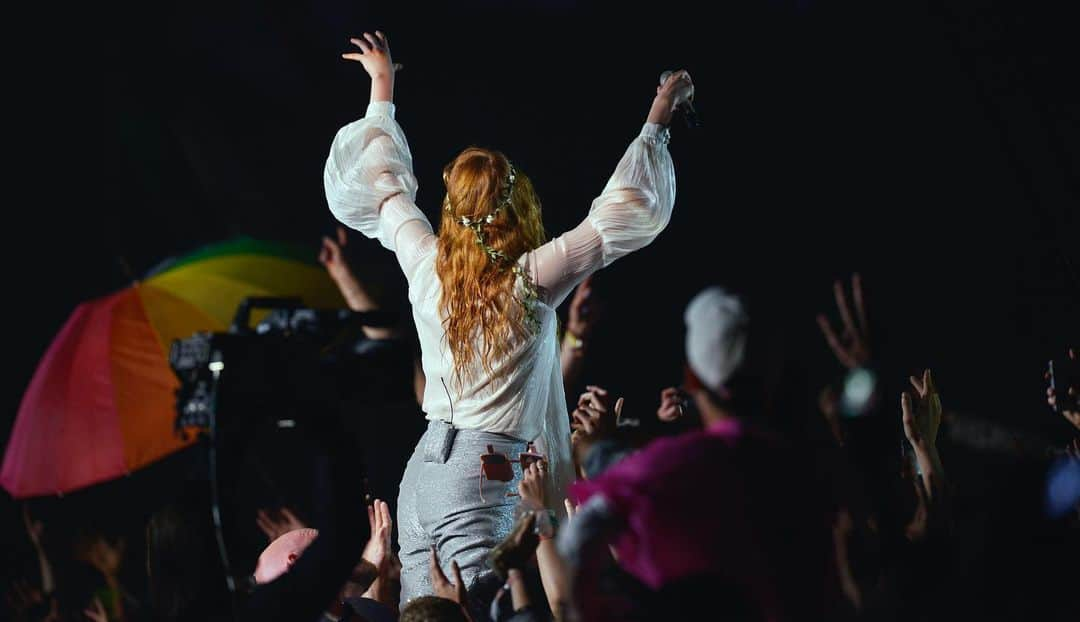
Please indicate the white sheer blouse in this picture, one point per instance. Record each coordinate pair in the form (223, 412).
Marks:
(370, 187)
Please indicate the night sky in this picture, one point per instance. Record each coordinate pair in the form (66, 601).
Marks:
(932, 147)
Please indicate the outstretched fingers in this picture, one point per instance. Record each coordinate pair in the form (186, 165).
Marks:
(860, 306)
(834, 342)
(363, 43)
(375, 43)
(264, 523)
(925, 385)
(845, 312)
(918, 385)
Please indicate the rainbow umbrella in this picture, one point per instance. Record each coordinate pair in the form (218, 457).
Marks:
(101, 403)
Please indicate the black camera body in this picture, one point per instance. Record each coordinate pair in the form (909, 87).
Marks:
(282, 368)
(269, 404)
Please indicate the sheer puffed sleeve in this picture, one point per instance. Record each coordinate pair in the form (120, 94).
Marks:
(633, 209)
(370, 185)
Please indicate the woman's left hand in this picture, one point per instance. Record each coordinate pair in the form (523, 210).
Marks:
(678, 88)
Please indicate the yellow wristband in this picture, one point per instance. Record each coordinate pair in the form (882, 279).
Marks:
(573, 340)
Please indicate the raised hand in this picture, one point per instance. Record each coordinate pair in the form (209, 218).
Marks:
(594, 403)
(583, 311)
(852, 347)
(354, 292)
(96, 611)
(1069, 405)
(677, 89)
(443, 587)
(581, 319)
(378, 573)
(592, 420)
(531, 486)
(374, 54)
(275, 526)
(378, 550)
(331, 257)
(923, 418)
(672, 405)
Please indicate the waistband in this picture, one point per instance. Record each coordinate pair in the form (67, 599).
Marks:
(440, 425)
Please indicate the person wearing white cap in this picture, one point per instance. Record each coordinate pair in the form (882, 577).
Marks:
(717, 330)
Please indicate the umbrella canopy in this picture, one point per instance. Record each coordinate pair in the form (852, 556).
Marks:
(101, 403)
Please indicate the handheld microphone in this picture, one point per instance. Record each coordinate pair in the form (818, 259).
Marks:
(689, 114)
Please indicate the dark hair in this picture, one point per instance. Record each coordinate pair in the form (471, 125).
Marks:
(77, 585)
(432, 609)
(186, 578)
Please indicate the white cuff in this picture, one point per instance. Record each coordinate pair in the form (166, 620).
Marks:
(656, 132)
(380, 109)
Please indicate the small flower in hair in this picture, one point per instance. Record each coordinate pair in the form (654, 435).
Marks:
(510, 178)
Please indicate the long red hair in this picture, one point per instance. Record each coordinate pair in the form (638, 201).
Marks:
(483, 313)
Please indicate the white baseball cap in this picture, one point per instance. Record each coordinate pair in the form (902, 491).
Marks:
(716, 330)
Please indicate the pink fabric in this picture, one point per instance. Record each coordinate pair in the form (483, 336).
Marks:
(66, 433)
(716, 501)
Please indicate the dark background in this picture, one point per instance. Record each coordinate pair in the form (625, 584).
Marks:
(931, 146)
